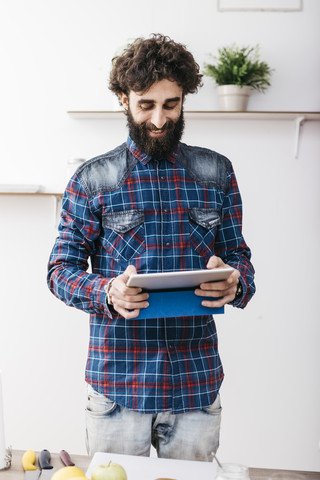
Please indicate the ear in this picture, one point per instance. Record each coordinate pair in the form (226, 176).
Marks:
(124, 100)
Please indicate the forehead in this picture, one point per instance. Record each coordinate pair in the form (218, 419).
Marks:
(159, 92)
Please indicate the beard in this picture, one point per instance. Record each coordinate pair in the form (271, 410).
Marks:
(155, 147)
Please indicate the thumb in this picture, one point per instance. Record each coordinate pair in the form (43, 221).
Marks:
(130, 270)
(215, 262)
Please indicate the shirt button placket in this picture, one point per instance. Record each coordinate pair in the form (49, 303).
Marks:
(176, 394)
(166, 224)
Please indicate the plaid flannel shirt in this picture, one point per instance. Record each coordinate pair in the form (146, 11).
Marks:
(158, 216)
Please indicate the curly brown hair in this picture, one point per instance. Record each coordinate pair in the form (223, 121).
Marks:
(146, 61)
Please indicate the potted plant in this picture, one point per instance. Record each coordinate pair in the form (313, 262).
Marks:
(237, 72)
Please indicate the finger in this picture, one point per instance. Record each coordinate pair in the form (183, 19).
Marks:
(120, 289)
(215, 262)
(129, 305)
(130, 270)
(216, 293)
(128, 294)
(201, 292)
(216, 286)
(217, 303)
(129, 308)
(232, 280)
(234, 277)
(127, 313)
(120, 281)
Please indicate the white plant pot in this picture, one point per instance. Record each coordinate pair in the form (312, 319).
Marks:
(233, 97)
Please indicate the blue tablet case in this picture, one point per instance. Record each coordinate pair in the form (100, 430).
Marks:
(176, 303)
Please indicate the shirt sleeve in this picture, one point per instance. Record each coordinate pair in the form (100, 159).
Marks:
(68, 278)
(230, 245)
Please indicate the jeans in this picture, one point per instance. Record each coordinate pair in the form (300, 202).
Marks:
(185, 436)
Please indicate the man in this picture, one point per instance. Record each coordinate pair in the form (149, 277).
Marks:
(153, 204)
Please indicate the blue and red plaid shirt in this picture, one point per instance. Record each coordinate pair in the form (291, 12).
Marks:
(157, 216)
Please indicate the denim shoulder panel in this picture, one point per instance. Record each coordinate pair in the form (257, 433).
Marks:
(106, 172)
(206, 167)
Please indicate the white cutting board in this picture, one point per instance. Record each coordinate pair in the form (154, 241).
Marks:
(150, 468)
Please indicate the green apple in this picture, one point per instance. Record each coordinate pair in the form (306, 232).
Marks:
(109, 471)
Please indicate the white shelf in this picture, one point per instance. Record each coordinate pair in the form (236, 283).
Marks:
(298, 117)
(19, 188)
(204, 114)
(50, 194)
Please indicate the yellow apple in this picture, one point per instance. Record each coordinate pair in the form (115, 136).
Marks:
(65, 473)
(109, 471)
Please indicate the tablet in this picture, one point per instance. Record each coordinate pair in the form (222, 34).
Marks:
(177, 280)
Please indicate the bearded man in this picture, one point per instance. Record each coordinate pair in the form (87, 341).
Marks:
(153, 204)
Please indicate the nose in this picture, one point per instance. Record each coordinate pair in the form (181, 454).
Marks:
(158, 117)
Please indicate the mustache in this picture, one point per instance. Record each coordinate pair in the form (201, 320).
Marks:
(153, 128)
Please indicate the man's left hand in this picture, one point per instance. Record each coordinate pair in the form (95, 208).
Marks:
(226, 290)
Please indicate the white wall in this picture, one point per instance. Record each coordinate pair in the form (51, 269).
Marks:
(56, 57)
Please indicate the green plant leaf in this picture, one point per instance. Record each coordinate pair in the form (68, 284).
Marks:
(239, 66)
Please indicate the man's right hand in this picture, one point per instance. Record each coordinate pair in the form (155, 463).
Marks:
(127, 301)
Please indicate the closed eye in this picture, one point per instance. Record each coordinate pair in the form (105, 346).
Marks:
(146, 106)
(171, 104)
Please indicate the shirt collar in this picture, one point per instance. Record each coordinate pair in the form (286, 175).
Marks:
(144, 158)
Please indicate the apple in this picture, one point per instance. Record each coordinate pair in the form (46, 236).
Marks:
(109, 471)
(65, 473)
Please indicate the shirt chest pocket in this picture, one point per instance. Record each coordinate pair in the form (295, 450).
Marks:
(204, 223)
(124, 234)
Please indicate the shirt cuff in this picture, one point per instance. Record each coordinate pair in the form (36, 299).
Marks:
(101, 298)
(240, 302)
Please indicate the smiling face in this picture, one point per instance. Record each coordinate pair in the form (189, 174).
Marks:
(155, 117)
